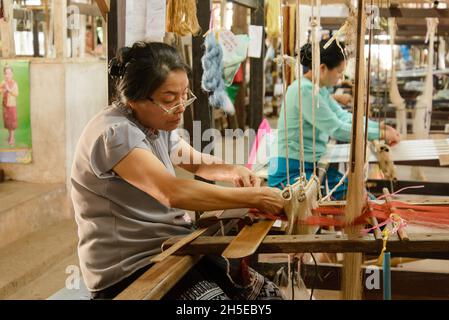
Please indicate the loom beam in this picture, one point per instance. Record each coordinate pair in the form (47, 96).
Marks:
(419, 243)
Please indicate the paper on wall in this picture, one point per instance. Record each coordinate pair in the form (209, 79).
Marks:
(255, 45)
(135, 21)
(155, 26)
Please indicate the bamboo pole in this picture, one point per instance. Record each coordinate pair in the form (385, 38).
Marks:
(356, 197)
(6, 31)
(60, 28)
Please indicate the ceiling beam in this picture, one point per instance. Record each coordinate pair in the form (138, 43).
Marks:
(420, 22)
(86, 9)
(104, 6)
(413, 13)
(252, 4)
(403, 23)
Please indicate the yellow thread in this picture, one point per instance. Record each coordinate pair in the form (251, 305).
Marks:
(385, 234)
(273, 12)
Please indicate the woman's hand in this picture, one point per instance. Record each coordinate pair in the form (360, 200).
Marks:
(271, 201)
(392, 137)
(243, 177)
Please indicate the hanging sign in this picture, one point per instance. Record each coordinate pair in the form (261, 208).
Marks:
(255, 45)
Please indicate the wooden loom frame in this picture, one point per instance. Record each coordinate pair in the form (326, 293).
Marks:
(162, 276)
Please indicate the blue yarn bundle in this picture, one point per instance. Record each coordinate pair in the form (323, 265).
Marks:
(212, 80)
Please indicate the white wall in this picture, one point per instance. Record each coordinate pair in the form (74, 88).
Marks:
(86, 94)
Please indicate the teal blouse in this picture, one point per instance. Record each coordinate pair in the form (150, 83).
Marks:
(330, 118)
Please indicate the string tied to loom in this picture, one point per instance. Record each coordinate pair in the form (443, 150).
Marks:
(398, 224)
(301, 192)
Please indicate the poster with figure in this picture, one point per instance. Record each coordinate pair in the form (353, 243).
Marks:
(15, 123)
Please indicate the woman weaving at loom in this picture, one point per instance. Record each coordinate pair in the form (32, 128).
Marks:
(126, 196)
(330, 121)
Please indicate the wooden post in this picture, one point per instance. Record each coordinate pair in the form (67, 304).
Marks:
(201, 110)
(114, 35)
(6, 31)
(356, 197)
(35, 23)
(257, 73)
(240, 26)
(60, 28)
(45, 26)
(105, 6)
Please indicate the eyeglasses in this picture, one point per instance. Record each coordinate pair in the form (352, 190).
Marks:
(185, 103)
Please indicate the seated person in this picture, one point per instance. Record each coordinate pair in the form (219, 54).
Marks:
(330, 121)
(127, 198)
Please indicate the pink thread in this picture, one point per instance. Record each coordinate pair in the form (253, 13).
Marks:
(365, 231)
(400, 190)
(263, 130)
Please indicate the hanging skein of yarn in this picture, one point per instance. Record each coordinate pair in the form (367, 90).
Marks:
(182, 17)
(272, 9)
(212, 80)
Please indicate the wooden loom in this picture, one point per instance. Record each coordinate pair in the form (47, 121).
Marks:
(253, 237)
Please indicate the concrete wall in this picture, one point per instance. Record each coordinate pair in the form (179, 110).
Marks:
(64, 96)
(86, 94)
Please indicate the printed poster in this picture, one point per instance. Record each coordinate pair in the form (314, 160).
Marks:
(15, 123)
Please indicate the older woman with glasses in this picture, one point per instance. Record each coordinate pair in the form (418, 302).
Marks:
(126, 196)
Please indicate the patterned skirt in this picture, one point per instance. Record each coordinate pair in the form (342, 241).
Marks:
(210, 279)
(10, 117)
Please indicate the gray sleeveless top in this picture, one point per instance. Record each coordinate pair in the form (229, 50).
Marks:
(120, 227)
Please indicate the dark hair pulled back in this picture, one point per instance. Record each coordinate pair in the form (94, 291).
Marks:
(332, 56)
(139, 70)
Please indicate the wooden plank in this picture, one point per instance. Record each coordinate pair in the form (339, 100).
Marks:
(182, 242)
(257, 74)
(159, 279)
(404, 283)
(422, 243)
(248, 240)
(162, 276)
(104, 6)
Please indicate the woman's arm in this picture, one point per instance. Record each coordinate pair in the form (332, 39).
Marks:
(210, 167)
(343, 99)
(143, 170)
(346, 117)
